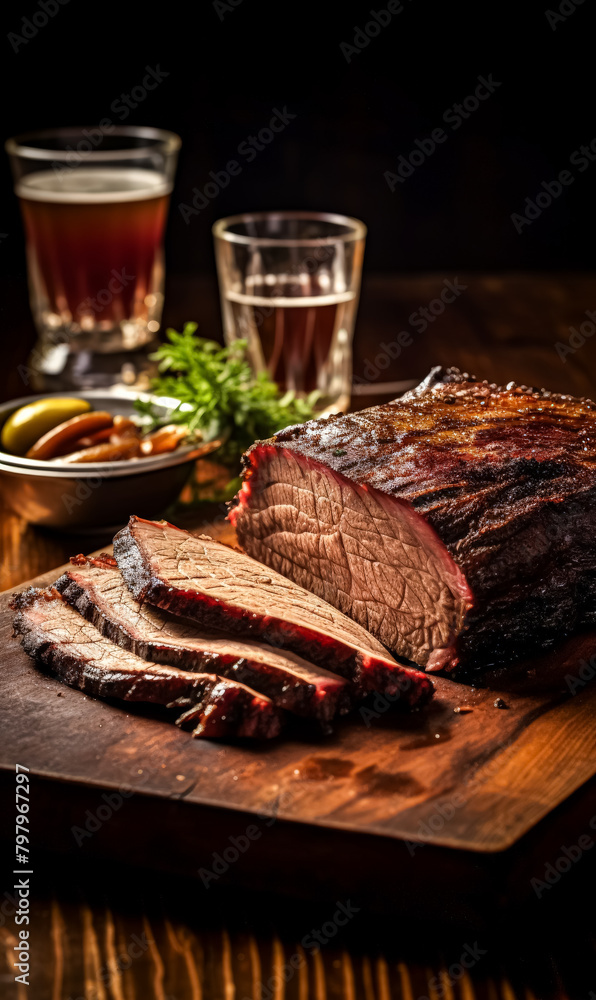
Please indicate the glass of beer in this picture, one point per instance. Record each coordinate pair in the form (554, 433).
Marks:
(94, 203)
(289, 284)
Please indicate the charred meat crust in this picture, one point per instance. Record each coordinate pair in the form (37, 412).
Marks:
(98, 592)
(505, 478)
(53, 634)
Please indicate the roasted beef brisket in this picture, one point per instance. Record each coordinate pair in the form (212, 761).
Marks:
(96, 589)
(78, 654)
(457, 524)
(221, 588)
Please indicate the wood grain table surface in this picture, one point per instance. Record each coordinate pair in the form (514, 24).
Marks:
(100, 933)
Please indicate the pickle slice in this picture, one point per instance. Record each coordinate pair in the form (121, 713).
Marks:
(30, 422)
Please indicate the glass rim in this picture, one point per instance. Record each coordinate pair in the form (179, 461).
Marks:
(357, 228)
(167, 142)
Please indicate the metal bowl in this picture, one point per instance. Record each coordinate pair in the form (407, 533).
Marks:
(99, 494)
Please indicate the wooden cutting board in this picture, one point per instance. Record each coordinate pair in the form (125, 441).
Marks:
(475, 780)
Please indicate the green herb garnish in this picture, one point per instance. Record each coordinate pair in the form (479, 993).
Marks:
(218, 393)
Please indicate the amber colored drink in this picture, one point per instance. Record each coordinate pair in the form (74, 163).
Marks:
(94, 250)
(289, 284)
(297, 338)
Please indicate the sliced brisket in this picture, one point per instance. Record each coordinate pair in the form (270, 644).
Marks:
(456, 524)
(76, 652)
(96, 589)
(221, 588)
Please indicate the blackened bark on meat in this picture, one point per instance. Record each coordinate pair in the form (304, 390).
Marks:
(96, 589)
(456, 523)
(72, 649)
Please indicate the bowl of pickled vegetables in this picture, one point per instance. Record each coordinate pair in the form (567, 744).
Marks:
(86, 461)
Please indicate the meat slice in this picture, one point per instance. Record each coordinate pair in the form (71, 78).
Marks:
(456, 523)
(96, 589)
(78, 654)
(219, 587)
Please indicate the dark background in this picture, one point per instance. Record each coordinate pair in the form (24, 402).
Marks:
(227, 72)
(451, 217)
(353, 119)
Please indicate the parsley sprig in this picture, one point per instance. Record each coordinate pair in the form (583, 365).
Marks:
(218, 393)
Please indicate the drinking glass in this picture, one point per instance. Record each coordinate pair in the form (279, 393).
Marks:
(94, 203)
(289, 285)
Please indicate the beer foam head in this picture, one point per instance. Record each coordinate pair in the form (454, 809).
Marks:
(93, 185)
